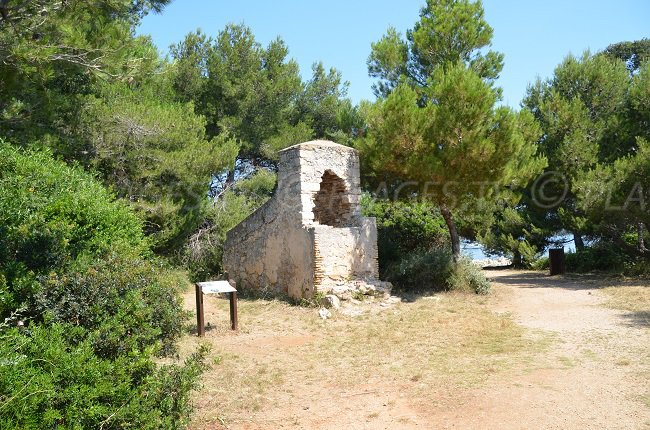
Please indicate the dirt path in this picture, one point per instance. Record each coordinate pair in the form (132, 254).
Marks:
(593, 373)
(594, 376)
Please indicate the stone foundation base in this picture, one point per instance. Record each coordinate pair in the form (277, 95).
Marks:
(348, 290)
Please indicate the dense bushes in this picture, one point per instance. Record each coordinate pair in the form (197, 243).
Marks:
(85, 305)
(404, 227)
(434, 269)
(53, 218)
(124, 304)
(203, 253)
(596, 258)
(413, 255)
(51, 377)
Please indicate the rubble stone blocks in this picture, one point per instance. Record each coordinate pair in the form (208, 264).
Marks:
(310, 236)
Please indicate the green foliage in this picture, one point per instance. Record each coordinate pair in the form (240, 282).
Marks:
(155, 154)
(456, 147)
(468, 277)
(581, 113)
(255, 93)
(403, 227)
(49, 379)
(53, 216)
(242, 88)
(448, 32)
(435, 269)
(594, 116)
(631, 53)
(54, 51)
(600, 258)
(320, 101)
(123, 303)
(421, 270)
(515, 232)
(203, 253)
(614, 196)
(436, 122)
(77, 273)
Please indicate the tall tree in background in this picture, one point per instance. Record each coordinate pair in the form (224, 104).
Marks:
(582, 111)
(448, 32)
(436, 122)
(615, 194)
(255, 93)
(631, 53)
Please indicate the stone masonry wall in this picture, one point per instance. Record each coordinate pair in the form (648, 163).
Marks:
(310, 235)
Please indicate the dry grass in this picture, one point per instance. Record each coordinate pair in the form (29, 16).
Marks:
(286, 362)
(635, 298)
(632, 298)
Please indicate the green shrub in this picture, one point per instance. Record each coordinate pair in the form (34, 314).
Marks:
(49, 380)
(542, 263)
(600, 257)
(468, 277)
(122, 302)
(76, 269)
(421, 270)
(435, 270)
(52, 217)
(402, 228)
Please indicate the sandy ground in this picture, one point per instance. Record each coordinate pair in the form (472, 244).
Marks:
(594, 376)
(595, 373)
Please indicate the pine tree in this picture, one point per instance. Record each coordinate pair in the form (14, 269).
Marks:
(436, 122)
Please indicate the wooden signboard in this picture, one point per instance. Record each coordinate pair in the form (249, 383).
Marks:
(215, 287)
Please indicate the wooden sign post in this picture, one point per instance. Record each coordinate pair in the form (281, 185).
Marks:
(214, 287)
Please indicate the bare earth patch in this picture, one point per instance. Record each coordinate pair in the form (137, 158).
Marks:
(540, 352)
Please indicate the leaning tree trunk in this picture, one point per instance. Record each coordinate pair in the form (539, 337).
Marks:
(577, 239)
(230, 179)
(640, 244)
(453, 232)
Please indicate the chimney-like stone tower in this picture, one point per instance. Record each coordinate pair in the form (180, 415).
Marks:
(310, 236)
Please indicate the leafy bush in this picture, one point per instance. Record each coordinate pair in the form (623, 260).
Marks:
(600, 257)
(124, 304)
(50, 380)
(76, 269)
(542, 263)
(434, 269)
(468, 277)
(421, 270)
(404, 227)
(51, 217)
(204, 251)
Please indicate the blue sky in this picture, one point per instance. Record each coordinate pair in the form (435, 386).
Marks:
(534, 35)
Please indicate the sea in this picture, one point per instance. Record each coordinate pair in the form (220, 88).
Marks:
(476, 251)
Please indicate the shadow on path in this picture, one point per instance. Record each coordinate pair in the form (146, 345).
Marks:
(637, 319)
(543, 280)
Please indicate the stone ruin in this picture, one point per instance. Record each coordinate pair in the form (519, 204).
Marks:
(310, 236)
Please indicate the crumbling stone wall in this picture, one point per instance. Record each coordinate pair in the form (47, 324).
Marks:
(310, 236)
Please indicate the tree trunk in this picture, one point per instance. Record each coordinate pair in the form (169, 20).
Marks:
(453, 233)
(577, 239)
(640, 244)
(517, 260)
(231, 177)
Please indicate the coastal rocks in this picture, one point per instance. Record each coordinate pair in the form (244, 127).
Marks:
(493, 262)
